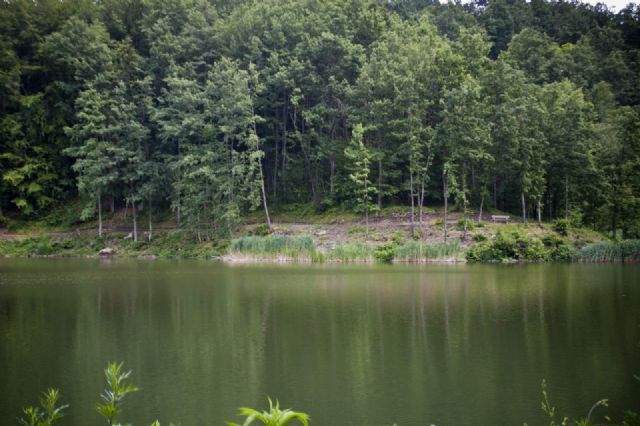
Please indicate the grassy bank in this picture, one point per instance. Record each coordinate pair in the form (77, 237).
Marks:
(302, 234)
(174, 244)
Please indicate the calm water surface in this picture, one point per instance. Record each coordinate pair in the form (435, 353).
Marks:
(351, 345)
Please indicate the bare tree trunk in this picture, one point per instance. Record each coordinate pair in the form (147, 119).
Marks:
(445, 191)
(150, 223)
(566, 197)
(495, 192)
(332, 174)
(99, 215)
(178, 212)
(421, 202)
(464, 204)
(135, 220)
(283, 150)
(379, 186)
(275, 169)
(539, 212)
(481, 205)
(412, 202)
(366, 211)
(264, 193)
(524, 208)
(113, 204)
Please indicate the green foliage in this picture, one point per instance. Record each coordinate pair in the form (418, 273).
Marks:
(550, 411)
(274, 417)
(113, 396)
(479, 237)
(274, 246)
(217, 109)
(471, 225)
(561, 226)
(417, 251)
(261, 230)
(48, 414)
(351, 253)
(509, 246)
(610, 251)
(385, 253)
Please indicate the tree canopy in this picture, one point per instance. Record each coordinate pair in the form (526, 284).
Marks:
(215, 108)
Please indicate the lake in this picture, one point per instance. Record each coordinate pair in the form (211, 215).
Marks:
(350, 345)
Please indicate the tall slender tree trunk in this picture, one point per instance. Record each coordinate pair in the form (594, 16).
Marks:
(262, 188)
(379, 186)
(274, 181)
(539, 212)
(524, 207)
(481, 205)
(332, 174)
(99, 214)
(412, 203)
(150, 223)
(135, 220)
(421, 202)
(283, 150)
(614, 220)
(366, 211)
(445, 191)
(495, 192)
(178, 212)
(566, 197)
(464, 204)
(113, 204)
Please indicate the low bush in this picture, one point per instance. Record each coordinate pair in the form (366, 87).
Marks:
(479, 236)
(509, 246)
(471, 225)
(561, 226)
(385, 252)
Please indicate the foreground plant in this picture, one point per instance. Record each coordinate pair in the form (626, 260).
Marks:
(117, 389)
(47, 414)
(550, 411)
(274, 417)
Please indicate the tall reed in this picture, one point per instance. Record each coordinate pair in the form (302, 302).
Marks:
(414, 251)
(610, 251)
(274, 246)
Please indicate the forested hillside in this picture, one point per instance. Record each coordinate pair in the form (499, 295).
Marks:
(214, 108)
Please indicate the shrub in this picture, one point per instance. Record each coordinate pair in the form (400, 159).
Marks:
(479, 236)
(356, 229)
(385, 252)
(561, 226)
(261, 230)
(471, 225)
(509, 246)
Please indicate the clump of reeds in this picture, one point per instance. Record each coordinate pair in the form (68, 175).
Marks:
(351, 253)
(274, 246)
(610, 251)
(415, 251)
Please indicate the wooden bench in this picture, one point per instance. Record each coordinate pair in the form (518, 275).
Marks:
(498, 218)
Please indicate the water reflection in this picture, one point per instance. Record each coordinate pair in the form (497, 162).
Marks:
(351, 345)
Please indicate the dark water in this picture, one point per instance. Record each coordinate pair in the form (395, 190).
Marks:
(414, 345)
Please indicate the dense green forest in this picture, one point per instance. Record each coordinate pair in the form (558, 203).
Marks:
(214, 108)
